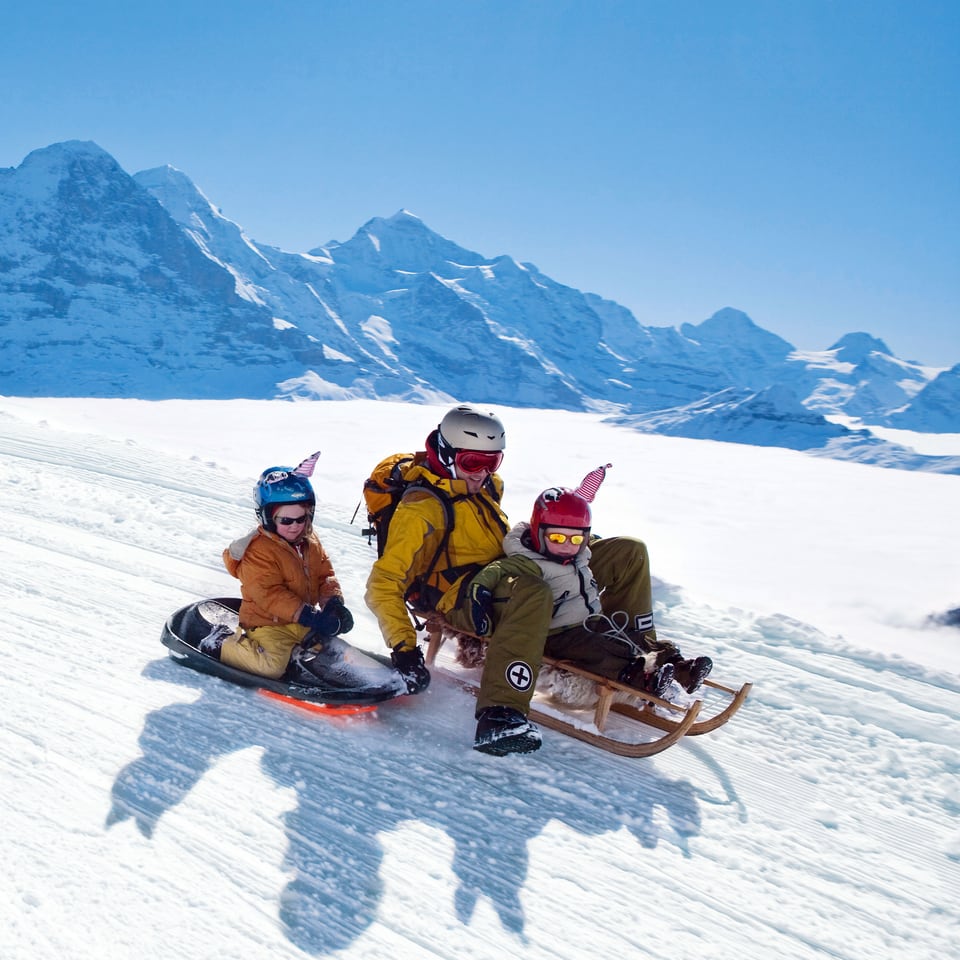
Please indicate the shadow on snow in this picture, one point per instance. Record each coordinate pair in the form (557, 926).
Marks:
(354, 780)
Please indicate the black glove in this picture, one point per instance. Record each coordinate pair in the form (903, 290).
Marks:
(335, 605)
(325, 621)
(481, 608)
(409, 664)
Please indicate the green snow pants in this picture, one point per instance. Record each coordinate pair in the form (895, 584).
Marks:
(621, 568)
(522, 607)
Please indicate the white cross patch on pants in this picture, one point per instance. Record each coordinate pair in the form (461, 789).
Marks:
(519, 675)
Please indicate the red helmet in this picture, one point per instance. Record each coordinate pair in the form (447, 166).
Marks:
(558, 507)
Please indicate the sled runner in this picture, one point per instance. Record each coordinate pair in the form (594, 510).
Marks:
(602, 712)
(348, 676)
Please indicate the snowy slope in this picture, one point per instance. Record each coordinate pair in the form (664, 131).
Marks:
(150, 811)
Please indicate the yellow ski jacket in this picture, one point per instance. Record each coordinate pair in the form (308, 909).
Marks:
(416, 535)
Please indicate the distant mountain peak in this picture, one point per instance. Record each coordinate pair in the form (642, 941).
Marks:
(165, 174)
(736, 345)
(402, 220)
(178, 194)
(729, 322)
(856, 347)
(403, 215)
(730, 316)
(68, 149)
(405, 243)
(42, 171)
(73, 158)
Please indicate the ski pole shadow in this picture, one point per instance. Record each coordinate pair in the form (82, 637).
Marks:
(359, 780)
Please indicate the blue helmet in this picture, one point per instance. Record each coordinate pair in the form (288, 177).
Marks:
(279, 485)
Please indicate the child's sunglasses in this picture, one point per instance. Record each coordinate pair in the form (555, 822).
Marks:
(290, 521)
(575, 538)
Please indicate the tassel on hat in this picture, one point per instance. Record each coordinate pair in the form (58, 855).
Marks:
(591, 483)
(306, 466)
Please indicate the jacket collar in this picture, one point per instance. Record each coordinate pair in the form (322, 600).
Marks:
(455, 488)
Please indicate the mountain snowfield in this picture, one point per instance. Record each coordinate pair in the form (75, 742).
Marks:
(151, 811)
(114, 285)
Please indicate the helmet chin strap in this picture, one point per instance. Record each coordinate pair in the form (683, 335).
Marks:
(447, 455)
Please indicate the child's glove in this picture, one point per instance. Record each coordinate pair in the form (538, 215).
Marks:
(409, 664)
(335, 606)
(481, 608)
(324, 621)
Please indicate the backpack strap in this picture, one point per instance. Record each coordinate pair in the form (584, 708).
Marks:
(421, 594)
(389, 489)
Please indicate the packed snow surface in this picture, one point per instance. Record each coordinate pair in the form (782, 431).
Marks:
(152, 811)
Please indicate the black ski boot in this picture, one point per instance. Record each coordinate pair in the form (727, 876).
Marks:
(320, 664)
(503, 730)
(213, 641)
(692, 673)
(656, 681)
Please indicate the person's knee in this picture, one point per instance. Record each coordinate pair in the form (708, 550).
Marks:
(534, 592)
(620, 558)
(632, 547)
(246, 653)
(273, 672)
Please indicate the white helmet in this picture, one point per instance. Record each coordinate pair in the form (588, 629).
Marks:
(467, 428)
(468, 440)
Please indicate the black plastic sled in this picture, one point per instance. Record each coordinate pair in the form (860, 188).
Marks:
(346, 675)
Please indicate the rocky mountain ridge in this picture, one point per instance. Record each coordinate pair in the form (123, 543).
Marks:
(119, 285)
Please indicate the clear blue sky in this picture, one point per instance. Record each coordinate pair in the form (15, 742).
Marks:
(798, 160)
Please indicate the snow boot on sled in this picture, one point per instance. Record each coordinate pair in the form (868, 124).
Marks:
(690, 674)
(656, 681)
(322, 662)
(503, 730)
(213, 641)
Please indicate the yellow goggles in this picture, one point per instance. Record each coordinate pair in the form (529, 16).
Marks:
(575, 538)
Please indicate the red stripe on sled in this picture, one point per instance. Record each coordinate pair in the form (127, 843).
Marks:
(329, 709)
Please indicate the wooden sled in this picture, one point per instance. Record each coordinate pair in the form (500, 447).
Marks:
(621, 714)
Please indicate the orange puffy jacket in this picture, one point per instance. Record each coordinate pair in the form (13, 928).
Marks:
(277, 579)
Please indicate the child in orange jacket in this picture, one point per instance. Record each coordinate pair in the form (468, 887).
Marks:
(288, 585)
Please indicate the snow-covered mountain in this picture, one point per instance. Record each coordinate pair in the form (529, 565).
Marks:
(103, 294)
(772, 417)
(860, 377)
(775, 417)
(934, 410)
(112, 286)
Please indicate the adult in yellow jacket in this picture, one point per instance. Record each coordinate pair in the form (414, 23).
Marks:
(431, 563)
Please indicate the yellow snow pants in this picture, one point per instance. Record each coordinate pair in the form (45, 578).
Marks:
(264, 651)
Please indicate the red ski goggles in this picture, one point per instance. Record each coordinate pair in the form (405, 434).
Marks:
(473, 461)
